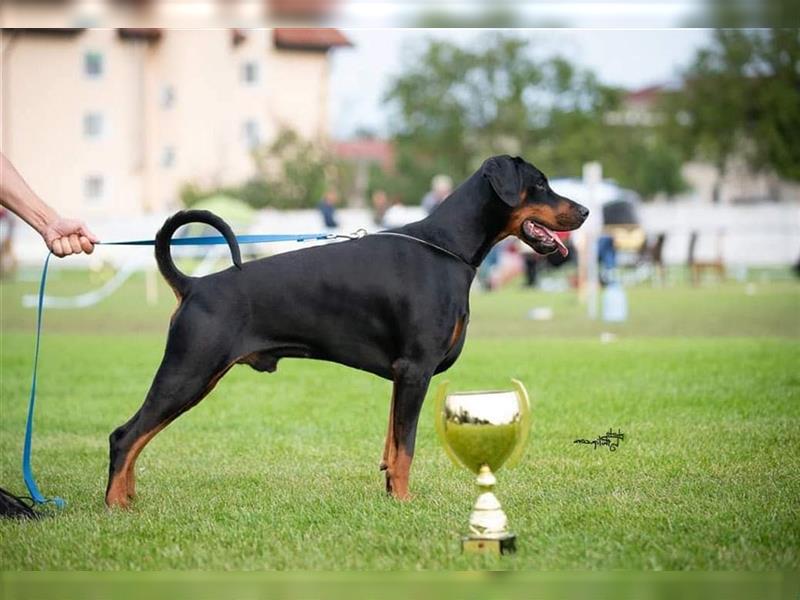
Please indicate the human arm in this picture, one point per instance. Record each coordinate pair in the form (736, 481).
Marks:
(62, 236)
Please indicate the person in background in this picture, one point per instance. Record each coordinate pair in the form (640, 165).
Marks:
(62, 236)
(509, 263)
(397, 214)
(441, 186)
(607, 255)
(327, 207)
(380, 204)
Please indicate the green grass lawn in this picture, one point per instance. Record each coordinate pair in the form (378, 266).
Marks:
(280, 471)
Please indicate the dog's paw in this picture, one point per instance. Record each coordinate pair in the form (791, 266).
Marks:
(405, 497)
(116, 498)
(118, 503)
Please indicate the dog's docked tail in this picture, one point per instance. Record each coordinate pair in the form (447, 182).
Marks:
(177, 280)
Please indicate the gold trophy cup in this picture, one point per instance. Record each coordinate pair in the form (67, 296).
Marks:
(482, 431)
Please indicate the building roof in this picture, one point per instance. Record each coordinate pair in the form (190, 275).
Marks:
(645, 95)
(148, 34)
(45, 30)
(648, 95)
(371, 150)
(304, 9)
(300, 38)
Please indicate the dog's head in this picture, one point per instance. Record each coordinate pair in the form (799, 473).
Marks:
(536, 210)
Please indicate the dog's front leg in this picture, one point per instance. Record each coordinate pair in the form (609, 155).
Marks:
(410, 385)
(384, 464)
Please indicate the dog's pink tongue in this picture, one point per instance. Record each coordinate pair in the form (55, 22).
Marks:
(562, 249)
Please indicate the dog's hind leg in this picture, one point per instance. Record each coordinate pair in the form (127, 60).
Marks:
(384, 464)
(410, 385)
(189, 371)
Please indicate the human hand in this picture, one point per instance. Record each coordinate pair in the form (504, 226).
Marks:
(68, 236)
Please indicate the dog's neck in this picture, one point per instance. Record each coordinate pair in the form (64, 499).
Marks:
(467, 223)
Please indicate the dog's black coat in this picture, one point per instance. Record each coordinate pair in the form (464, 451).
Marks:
(385, 304)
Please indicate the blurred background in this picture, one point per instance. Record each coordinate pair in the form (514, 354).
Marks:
(682, 141)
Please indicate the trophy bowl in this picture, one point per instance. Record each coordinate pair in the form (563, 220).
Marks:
(482, 431)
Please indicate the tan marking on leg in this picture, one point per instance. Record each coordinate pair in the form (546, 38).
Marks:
(398, 473)
(391, 460)
(130, 482)
(122, 485)
(117, 495)
(384, 464)
(133, 454)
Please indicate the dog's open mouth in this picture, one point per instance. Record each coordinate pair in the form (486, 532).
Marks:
(541, 239)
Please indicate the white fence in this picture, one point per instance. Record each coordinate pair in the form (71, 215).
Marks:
(761, 235)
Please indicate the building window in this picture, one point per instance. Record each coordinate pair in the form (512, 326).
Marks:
(252, 134)
(168, 157)
(93, 125)
(94, 188)
(93, 64)
(167, 96)
(250, 72)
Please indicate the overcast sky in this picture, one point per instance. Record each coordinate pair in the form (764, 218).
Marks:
(629, 58)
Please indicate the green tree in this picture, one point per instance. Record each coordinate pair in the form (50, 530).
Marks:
(741, 98)
(291, 172)
(454, 106)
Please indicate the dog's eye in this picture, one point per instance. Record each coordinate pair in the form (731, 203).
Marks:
(540, 186)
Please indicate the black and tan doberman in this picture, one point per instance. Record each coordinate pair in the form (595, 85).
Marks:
(395, 304)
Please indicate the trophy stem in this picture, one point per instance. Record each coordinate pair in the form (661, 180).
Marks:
(488, 524)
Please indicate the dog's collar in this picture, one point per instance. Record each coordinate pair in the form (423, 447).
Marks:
(427, 243)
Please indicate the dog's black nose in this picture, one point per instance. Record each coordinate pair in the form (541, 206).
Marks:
(583, 212)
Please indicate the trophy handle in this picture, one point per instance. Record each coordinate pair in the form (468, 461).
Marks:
(525, 422)
(438, 410)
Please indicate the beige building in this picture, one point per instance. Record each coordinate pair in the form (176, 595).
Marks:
(115, 121)
(738, 185)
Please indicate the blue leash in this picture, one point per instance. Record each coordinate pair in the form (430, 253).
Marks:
(27, 472)
(218, 240)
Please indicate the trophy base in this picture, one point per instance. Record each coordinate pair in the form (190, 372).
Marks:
(506, 544)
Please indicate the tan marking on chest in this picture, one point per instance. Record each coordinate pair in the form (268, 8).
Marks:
(458, 329)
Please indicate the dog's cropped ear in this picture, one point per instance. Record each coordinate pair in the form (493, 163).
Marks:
(503, 173)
